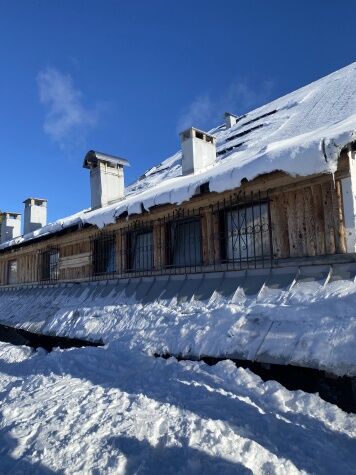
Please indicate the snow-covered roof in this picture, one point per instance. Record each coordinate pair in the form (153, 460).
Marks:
(301, 133)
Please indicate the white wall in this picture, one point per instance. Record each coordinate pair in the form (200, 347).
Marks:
(349, 201)
(35, 216)
(10, 226)
(106, 185)
(197, 153)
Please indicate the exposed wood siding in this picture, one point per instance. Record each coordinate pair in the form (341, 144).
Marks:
(279, 219)
(308, 221)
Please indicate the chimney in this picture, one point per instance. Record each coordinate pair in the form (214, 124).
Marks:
(230, 120)
(35, 214)
(198, 149)
(106, 178)
(10, 226)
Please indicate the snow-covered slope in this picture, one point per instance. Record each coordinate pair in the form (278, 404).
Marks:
(301, 133)
(116, 411)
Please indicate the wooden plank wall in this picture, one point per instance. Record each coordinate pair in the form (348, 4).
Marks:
(80, 264)
(308, 221)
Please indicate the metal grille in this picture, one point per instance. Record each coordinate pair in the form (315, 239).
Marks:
(245, 231)
(184, 242)
(232, 234)
(139, 253)
(103, 254)
(49, 265)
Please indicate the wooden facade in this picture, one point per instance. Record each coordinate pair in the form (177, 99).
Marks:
(306, 219)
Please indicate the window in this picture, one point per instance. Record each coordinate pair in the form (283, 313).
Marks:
(12, 272)
(184, 243)
(104, 255)
(247, 233)
(139, 251)
(50, 265)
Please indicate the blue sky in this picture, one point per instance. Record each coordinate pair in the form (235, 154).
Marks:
(125, 77)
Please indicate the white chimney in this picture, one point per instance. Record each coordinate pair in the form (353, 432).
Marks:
(10, 226)
(230, 120)
(106, 178)
(35, 214)
(198, 149)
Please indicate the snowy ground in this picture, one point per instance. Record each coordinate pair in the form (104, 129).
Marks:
(118, 410)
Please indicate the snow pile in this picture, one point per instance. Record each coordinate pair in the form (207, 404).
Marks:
(137, 414)
(301, 133)
(313, 326)
(310, 324)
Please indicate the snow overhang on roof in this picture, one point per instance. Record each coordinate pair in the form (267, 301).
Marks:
(93, 157)
(301, 133)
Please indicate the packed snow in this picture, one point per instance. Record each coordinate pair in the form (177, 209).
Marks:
(115, 410)
(301, 133)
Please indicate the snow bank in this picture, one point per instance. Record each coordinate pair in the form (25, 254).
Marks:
(301, 133)
(116, 411)
(311, 324)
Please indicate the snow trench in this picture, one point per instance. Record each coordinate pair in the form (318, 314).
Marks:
(339, 391)
(19, 336)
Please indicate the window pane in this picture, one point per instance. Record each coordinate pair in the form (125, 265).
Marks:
(12, 272)
(142, 251)
(186, 243)
(104, 255)
(49, 265)
(53, 264)
(248, 232)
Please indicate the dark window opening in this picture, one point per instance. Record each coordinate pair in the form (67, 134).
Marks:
(229, 149)
(199, 135)
(184, 243)
(12, 272)
(245, 132)
(204, 188)
(49, 270)
(104, 255)
(139, 251)
(259, 117)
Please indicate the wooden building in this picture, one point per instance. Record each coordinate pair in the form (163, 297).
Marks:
(272, 216)
(270, 220)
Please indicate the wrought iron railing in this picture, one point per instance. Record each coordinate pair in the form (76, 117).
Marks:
(231, 234)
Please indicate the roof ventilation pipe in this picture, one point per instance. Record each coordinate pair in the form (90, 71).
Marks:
(230, 120)
(10, 226)
(198, 150)
(35, 216)
(106, 178)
